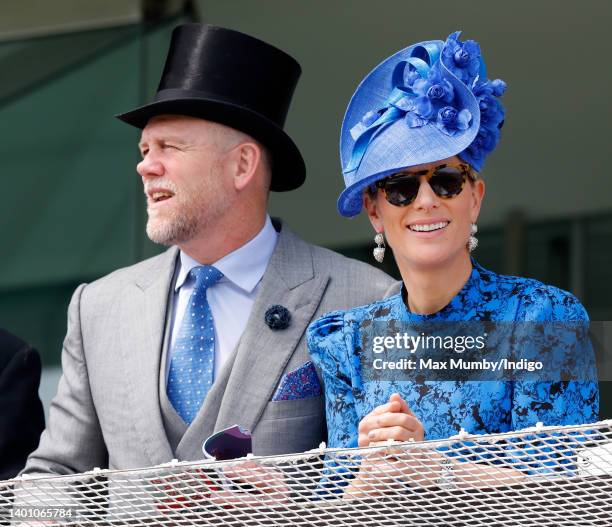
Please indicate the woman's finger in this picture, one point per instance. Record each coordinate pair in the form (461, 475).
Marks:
(404, 408)
(407, 421)
(397, 433)
(391, 406)
(372, 421)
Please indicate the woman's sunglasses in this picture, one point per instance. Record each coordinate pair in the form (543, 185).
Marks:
(446, 181)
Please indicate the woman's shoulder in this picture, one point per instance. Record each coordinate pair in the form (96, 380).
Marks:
(533, 299)
(345, 320)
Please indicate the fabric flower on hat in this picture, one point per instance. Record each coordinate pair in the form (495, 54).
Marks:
(484, 87)
(434, 100)
(492, 115)
(462, 58)
(499, 87)
(492, 112)
(485, 142)
(453, 122)
(431, 94)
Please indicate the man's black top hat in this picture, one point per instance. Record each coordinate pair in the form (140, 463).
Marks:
(231, 78)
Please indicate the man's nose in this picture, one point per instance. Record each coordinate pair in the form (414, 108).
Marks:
(426, 197)
(150, 166)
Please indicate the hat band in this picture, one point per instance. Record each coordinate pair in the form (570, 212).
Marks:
(178, 94)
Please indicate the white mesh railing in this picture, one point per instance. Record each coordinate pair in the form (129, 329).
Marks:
(544, 476)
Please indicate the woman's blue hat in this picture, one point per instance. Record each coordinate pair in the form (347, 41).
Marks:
(425, 103)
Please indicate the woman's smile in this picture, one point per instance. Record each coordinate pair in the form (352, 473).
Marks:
(428, 228)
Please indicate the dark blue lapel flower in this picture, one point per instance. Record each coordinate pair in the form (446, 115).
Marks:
(277, 317)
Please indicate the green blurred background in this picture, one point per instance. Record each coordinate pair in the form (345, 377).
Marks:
(74, 208)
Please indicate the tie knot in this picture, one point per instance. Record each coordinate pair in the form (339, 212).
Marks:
(205, 276)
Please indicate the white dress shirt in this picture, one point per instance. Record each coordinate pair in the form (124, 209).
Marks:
(231, 298)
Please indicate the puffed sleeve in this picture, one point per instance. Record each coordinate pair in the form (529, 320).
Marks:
(555, 402)
(558, 402)
(330, 342)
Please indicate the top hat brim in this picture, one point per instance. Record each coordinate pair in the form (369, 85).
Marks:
(288, 167)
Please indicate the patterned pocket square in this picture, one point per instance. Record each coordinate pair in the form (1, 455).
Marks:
(299, 384)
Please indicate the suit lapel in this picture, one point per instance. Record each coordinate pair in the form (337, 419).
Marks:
(262, 353)
(248, 380)
(143, 332)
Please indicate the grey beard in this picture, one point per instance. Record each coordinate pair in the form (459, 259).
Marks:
(172, 230)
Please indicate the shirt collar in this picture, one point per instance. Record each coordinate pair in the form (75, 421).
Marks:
(243, 267)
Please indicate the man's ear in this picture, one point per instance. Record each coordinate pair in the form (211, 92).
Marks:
(478, 193)
(370, 204)
(247, 160)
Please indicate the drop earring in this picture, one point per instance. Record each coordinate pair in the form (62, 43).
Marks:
(472, 240)
(379, 252)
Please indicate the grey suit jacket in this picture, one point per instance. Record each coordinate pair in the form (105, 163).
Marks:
(107, 410)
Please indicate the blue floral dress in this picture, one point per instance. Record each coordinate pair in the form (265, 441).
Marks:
(446, 406)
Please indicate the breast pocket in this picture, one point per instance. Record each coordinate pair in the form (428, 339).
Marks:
(290, 426)
(294, 408)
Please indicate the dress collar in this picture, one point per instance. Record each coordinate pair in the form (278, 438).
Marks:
(467, 297)
(245, 266)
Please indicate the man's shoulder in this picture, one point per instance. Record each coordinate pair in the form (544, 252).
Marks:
(342, 271)
(359, 281)
(140, 273)
(343, 266)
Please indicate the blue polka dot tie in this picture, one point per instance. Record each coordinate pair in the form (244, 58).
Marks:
(193, 354)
